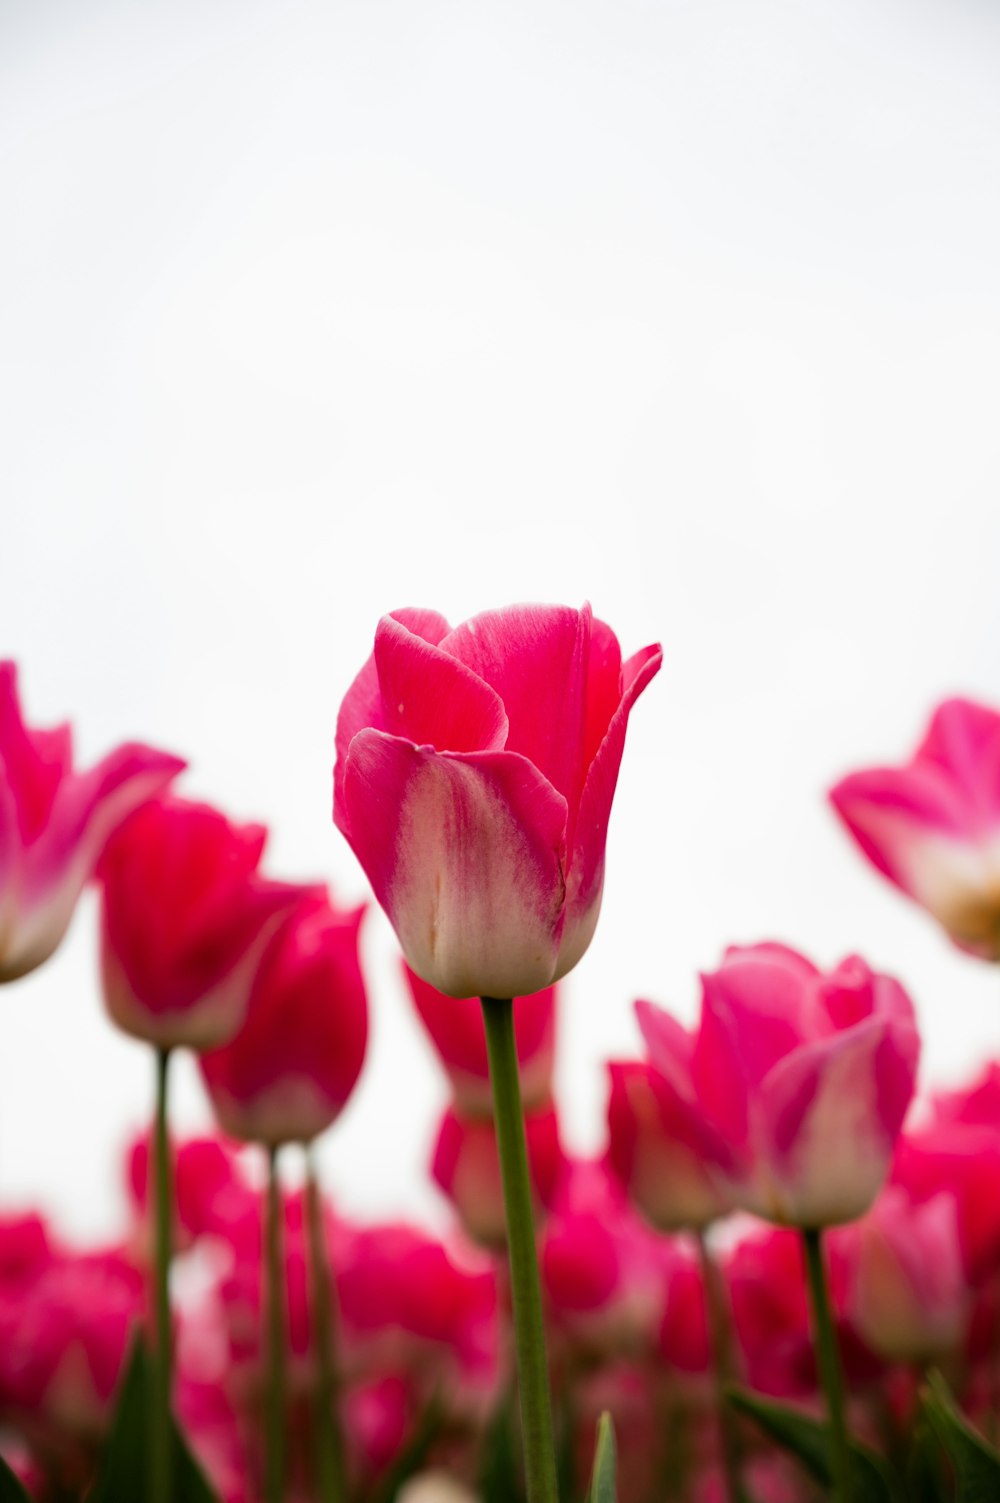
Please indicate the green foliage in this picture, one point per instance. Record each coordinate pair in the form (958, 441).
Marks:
(124, 1473)
(602, 1483)
(500, 1478)
(808, 1439)
(975, 1463)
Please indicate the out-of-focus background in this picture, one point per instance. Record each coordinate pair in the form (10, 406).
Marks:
(309, 310)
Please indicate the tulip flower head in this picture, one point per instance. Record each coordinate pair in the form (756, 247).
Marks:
(287, 1074)
(185, 918)
(932, 826)
(54, 823)
(792, 1092)
(475, 773)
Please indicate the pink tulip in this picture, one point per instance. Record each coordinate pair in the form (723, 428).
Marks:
(212, 1195)
(957, 1153)
(466, 1165)
(906, 1293)
(796, 1082)
(475, 773)
(184, 920)
(662, 1145)
(64, 1341)
(771, 1315)
(603, 1271)
(933, 826)
(54, 823)
(455, 1027)
(287, 1073)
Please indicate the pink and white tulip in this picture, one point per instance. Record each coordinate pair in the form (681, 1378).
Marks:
(662, 1145)
(932, 826)
(455, 1028)
(795, 1086)
(475, 773)
(905, 1290)
(184, 920)
(288, 1072)
(54, 823)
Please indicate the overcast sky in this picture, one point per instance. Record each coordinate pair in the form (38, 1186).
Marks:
(311, 310)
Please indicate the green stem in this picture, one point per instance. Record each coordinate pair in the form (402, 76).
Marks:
(274, 1488)
(828, 1358)
(331, 1474)
(721, 1336)
(161, 1447)
(529, 1333)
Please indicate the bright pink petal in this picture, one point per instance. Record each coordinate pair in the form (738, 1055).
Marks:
(33, 763)
(963, 744)
(669, 1046)
(537, 659)
(762, 1000)
(362, 706)
(430, 698)
(892, 811)
(830, 1116)
(465, 852)
(53, 870)
(586, 870)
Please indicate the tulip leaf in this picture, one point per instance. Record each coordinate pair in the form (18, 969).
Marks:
(12, 1490)
(500, 1478)
(124, 1473)
(975, 1462)
(808, 1439)
(603, 1487)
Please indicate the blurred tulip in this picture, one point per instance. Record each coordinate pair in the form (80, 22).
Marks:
(287, 1073)
(796, 1084)
(466, 1165)
(455, 1028)
(932, 826)
(185, 917)
(905, 1291)
(54, 823)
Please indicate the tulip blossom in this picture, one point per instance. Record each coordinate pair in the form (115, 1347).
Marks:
(466, 1165)
(906, 1293)
(185, 917)
(54, 823)
(795, 1086)
(211, 1193)
(661, 1145)
(455, 1028)
(932, 826)
(475, 773)
(288, 1072)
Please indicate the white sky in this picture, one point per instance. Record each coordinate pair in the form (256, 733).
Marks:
(309, 310)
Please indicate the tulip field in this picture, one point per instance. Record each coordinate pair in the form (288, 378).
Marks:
(777, 1280)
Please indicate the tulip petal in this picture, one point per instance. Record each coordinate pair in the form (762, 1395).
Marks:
(830, 1115)
(362, 704)
(526, 653)
(963, 741)
(586, 870)
(465, 852)
(430, 698)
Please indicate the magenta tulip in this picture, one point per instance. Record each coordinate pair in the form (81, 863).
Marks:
(54, 823)
(466, 1165)
(287, 1074)
(933, 826)
(184, 920)
(475, 773)
(795, 1087)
